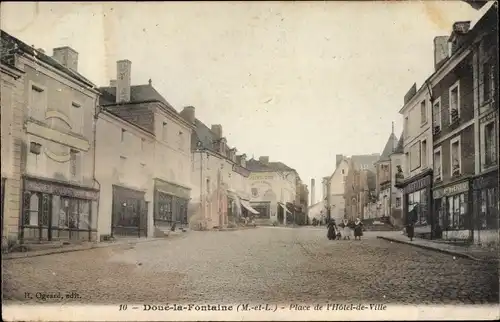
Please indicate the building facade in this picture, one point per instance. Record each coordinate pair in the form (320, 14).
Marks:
(59, 194)
(127, 180)
(12, 99)
(486, 124)
(334, 189)
(144, 107)
(221, 193)
(453, 138)
(273, 191)
(416, 179)
(360, 185)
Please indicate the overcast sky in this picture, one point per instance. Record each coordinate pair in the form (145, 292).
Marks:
(297, 81)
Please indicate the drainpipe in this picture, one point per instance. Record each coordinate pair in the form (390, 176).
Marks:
(477, 133)
(94, 132)
(202, 203)
(430, 208)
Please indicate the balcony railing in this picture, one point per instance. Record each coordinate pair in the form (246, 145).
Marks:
(454, 115)
(436, 129)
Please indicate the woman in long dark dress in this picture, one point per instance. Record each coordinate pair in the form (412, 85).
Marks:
(358, 229)
(331, 230)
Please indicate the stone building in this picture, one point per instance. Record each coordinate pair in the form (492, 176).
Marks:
(273, 191)
(360, 184)
(219, 177)
(148, 110)
(334, 189)
(12, 101)
(59, 191)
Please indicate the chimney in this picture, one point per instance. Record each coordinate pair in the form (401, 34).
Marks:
(123, 72)
(217, 129)
(188, 113)
(440, 50)
(112, 83)
(338, 159)
(41, 50)
(67, 57)
(460, 30)
(313, 192)
(264, 159)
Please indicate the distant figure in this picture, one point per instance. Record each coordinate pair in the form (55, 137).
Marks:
(358, 229)
(346, 230)
(332, 229)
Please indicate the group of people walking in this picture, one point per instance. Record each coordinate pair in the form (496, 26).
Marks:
(345, 229)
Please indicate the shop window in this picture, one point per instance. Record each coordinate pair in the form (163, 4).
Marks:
(488, 212)
(490, 153)
(417, 207)
(457, 213)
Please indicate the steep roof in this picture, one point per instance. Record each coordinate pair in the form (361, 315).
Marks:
(138, 93)
(365, 161)
(257, 166)
(389, 148)
(400, 146)
(13, 45)
(204, 135)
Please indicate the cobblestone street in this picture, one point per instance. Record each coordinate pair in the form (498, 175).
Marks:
(256, 265)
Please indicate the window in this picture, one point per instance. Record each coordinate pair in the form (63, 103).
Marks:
(418, 208)
(181, 141)
(438, 170)
(74, 162)
(457, 213)
(424, 153)
(488, 81)
(407, 161)
(455, 157)
(490, 153)
(415, 156)
(436, 113)
(423, 112)
(398, 202)
(123, 161)
(454, 103)
(143, 143)
(208, 186)
(38, 102)
(488, 210)
(122, 138)
(343, 171)
(164, 131)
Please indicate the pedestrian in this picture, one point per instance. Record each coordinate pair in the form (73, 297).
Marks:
(358, 229)
(410, 227)
(346, 229)
(332, 227)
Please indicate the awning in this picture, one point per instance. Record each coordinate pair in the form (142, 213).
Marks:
(248, 207)
(284, 207)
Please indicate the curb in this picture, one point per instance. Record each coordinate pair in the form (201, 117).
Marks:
(444, 251)
(20, 255)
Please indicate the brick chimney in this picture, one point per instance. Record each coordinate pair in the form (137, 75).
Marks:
(440, 50)
(217, 130)
(67, 57)
(188, 113)
(264, 159)
(112, 83)
(123, 80)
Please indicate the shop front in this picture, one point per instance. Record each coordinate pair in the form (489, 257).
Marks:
(129, 212)
(170, 204)
(53, 210)
(417, 204)
(454, 216)
(485, 208)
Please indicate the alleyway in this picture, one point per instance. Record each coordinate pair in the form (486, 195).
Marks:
(266, 264)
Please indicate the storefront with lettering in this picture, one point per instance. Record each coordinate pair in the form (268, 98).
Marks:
(485, 207)
(170, 204)
(417, 203)
(451, 204)
(53, 210)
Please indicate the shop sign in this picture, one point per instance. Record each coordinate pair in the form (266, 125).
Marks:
(417, 185)
(60, 190)
(451, 190)
(172, 189)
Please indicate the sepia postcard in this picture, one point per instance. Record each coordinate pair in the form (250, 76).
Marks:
(245, 160)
